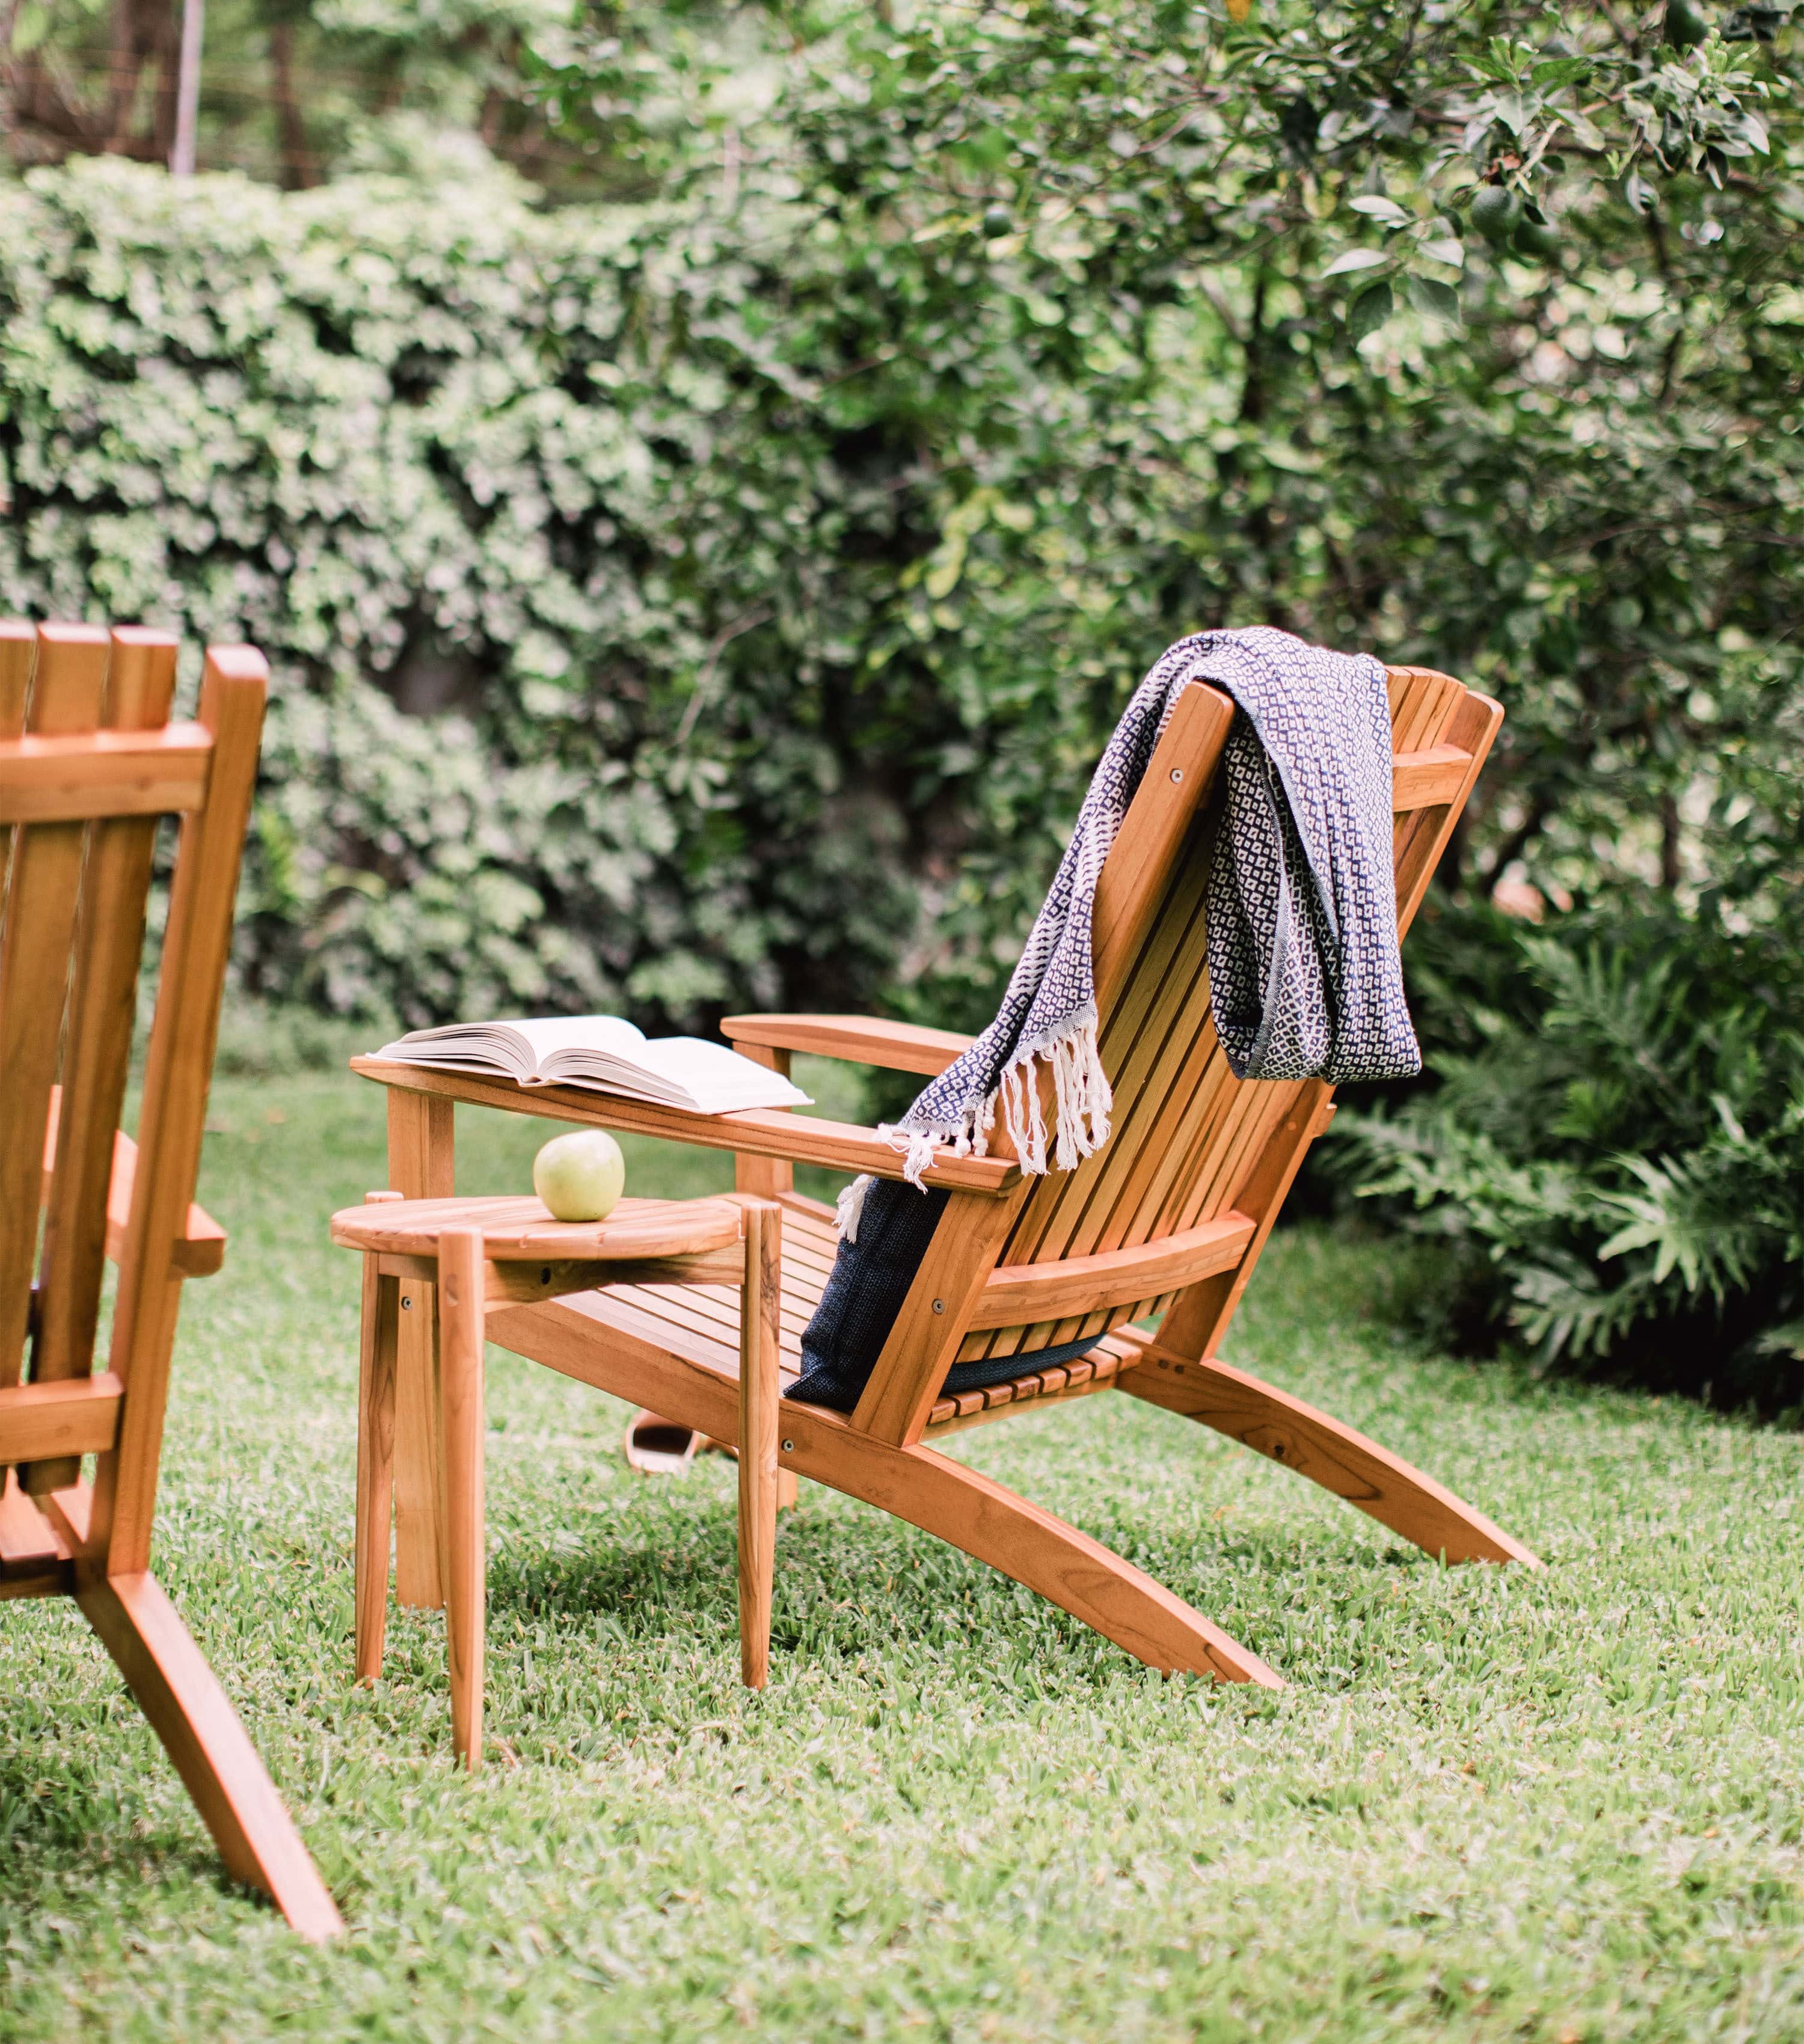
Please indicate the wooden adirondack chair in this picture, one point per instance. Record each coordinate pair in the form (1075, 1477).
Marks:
(89, 761)
(1169, 1217)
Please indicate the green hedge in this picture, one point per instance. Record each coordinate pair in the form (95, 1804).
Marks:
(440, 451)
(772, 576)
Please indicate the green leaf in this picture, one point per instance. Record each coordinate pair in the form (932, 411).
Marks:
(1429, 295)
(1375, 206)
(1356, 259)
(1369, 311)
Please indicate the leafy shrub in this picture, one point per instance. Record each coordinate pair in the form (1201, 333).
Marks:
(1616, 1144)
(494, 490)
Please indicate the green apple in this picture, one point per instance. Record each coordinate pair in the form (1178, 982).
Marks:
(581, 1176)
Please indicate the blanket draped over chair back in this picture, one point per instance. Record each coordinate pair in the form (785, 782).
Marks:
(1305, 978)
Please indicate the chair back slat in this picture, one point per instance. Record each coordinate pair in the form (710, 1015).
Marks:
(98, 1042)
(197, 943)
(18, 650)
(1188, 1136)
(36, 935)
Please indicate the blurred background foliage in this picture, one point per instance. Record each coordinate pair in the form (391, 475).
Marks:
(707, 478)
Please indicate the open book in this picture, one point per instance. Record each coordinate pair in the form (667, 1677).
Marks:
(606, 1054)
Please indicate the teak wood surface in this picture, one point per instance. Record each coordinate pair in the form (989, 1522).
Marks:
(1147, 1247)
(89, 763)
(454, 1263)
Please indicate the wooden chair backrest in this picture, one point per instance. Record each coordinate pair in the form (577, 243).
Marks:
(1187, 1135)
(1191, 1145)
(90, 761)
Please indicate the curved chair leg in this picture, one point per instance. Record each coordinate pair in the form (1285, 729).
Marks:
(194, 1717)
(1327, 1451)
(1066, 1567)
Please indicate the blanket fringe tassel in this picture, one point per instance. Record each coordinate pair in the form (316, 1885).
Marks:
(1083, 1102)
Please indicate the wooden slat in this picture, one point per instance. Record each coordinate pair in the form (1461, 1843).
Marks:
(1018, 1294)
(130, 773)
(861, 1039)
(28, 1541)
(44, 884)
(1200, 1318)
(18, 651)
(1144, 1034)
(1420, 780)
(97, 1047)
(1140, 866)
(1082, 1379)
(79, 1418)
(1148, 1039)
(201, 1249)
(758, 1131)
(178, 1072)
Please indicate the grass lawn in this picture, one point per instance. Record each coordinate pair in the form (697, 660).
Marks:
(1491, 1804)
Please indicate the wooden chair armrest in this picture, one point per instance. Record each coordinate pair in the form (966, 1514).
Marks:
(859, 1040)
(200, 1250)
(840, 1146)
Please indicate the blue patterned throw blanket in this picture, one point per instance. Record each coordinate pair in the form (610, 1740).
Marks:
(1305, 977)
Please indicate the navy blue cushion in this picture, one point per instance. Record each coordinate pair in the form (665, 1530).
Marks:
(864, 1292)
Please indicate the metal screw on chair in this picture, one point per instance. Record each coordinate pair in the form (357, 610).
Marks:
(406, 1304)
(1177, 775)
(789, 1447)
(938, 1305)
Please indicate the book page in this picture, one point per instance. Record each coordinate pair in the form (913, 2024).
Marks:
(544, 1036)
(717, 1079)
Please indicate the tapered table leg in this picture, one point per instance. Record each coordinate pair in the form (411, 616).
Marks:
(460, 1286)
(758, 1420)
(375, 1464)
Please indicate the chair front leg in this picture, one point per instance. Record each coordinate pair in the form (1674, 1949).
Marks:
(460, 1323)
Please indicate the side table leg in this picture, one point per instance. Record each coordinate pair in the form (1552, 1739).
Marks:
(460, 1352)
(376, 1464)
(422, 1166)
(758, 1423)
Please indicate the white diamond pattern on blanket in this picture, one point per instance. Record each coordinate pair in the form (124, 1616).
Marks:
(1305, 979)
